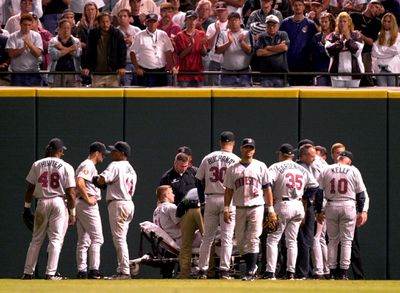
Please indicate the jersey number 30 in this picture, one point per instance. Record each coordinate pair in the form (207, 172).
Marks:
(217, 174)
(54, 179)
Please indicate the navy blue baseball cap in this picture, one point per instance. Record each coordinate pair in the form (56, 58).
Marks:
(151, 17)
(121, 146)
(227, 136)
(347, 154)
(56, 144)
(186, 150)
(191, 13)
(248, 142)
(287, 149)
(304, 141)
(98, 147)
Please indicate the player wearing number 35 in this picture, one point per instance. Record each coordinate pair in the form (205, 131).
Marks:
(48, 181)
(120, 179)
(290, 183)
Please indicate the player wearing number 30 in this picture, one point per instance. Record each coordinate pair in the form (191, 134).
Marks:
(120, 179)
(344, 191)
(212, 174)
(290, 182)
(49, 180)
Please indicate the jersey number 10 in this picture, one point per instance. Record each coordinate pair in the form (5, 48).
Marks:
(341, 186)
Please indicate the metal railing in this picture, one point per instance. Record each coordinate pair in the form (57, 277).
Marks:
(5, 75)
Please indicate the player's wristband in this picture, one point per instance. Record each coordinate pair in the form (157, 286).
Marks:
(72, 212)
(271, 209)
(27, 205)
(226, 209)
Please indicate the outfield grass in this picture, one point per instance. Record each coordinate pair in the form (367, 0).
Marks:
(196, 286)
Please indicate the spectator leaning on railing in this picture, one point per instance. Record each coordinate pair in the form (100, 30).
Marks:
(344, 46)
(271, 48)
(386, 50)
(319, 58)
(237, 46)
(65, 51)
(25, 48)
(106, 53)
(150, 53)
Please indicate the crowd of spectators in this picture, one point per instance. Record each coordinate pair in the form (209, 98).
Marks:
(109, 43)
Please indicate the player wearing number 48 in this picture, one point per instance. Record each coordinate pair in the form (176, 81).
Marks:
(48, 181)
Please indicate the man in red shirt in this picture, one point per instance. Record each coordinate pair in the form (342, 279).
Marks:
(191, 45)
(166, 24)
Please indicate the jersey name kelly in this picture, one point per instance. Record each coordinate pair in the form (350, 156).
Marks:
(247, 181)
(342, 170)
(222, 158)
(51, 163)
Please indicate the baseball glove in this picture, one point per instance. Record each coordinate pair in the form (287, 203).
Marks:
(271, 222)
(28, 218)
(96, 183)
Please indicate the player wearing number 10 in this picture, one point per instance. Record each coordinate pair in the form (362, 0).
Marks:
(120, 179)
(345, 192)
(212, 174)
(48, 180)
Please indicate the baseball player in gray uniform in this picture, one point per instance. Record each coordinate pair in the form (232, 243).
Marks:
(290, 182)
(164, 215)
(88, 221)
(344, 191)
(248, 183)
(53, 178)
(211, 173)
(120, 179)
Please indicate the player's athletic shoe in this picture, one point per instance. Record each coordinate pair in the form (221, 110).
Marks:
(95, 275)
(120, 276)
(332, 274)
(269, 276)
(225, 275)
(27, 277)
(319, 277)
(300, 278)
(289, 276)
(250, 276)
(343, 275)
(82, 275)
(202, 275)
(55, 277)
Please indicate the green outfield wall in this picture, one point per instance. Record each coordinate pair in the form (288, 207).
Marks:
(155, 122)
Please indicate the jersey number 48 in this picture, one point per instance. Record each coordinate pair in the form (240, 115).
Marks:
(54, 179)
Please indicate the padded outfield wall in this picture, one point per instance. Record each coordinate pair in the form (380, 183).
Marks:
(157, 121)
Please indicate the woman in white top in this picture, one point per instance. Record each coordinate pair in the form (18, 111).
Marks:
(386, 50)
(344, 46)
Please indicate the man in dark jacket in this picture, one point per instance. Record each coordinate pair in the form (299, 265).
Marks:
(106, 53)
